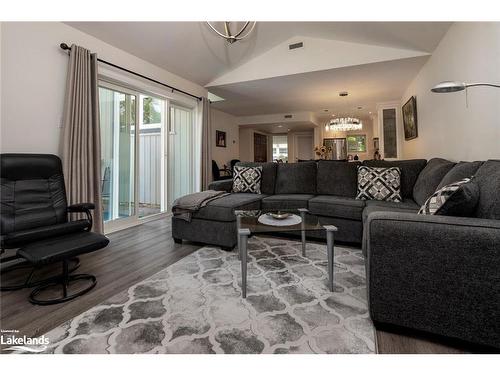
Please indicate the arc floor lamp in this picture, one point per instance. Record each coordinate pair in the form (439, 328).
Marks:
(454, 86)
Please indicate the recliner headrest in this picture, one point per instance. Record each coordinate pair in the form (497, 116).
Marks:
(29, 166)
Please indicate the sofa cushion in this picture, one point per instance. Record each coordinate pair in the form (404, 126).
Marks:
(222, 209)
(334, 206)
(407, 204)
(429, 179)
(268, 175)
(488, 179)
(462, 170)
(456, 199)
(296, 178)
(410, 169)
(286, 201)
(405, 209)
(337, 178)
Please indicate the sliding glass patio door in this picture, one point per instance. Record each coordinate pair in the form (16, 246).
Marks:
(135, 155)
(152, 156)
(118, 116)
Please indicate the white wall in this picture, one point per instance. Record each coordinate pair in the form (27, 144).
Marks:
(246, 146)
(469, 52)
(33, 71)
(227, 123)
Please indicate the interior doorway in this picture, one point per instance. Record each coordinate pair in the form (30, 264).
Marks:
(280, 148)
(260, 148)
(304, 145)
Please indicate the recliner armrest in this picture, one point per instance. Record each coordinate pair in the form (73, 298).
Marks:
(81, 207)
(84, 208)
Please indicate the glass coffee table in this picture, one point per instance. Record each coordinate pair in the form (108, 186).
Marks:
(280, 221)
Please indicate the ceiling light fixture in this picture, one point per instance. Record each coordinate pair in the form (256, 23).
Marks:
(344, 124)
(245, 31)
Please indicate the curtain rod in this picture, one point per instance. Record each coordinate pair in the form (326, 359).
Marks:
(65, 47)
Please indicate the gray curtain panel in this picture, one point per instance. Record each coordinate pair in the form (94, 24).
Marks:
(206, 145)
(81, 141)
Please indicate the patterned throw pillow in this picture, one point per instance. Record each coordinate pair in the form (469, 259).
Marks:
(456, 199)
(247, 179)
(381, 184)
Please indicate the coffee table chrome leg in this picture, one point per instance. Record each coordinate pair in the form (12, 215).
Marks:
(330, 230)
(238, 226)
(303, 229)
(243, 237)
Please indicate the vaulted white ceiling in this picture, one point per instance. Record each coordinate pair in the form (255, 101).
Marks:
(315, 54)
(374, 61)
(193, 51)
(367, 84)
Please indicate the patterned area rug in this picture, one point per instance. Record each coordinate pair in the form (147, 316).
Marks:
(195, 306)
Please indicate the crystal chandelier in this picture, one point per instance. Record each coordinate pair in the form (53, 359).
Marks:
(344, 124)
(231, 37)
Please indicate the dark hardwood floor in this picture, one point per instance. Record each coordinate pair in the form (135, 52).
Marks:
(397, 343)
(133, 255)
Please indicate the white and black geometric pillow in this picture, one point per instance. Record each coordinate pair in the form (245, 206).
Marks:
(247, 179)
(381, 184)
(456, 199)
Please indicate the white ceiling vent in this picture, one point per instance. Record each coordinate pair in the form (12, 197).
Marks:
(296, 45)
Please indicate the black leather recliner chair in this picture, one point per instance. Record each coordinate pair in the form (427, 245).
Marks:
(34, 220)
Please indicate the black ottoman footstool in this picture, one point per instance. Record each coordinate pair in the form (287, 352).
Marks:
(62, 249)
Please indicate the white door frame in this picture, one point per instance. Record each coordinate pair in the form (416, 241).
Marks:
(171, 132)
(380, 111)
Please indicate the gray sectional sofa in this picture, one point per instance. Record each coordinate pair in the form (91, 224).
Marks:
(433, 273)
(439, 274)
(327, 188)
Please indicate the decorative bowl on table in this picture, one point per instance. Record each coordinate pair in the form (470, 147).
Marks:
(278, 215)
